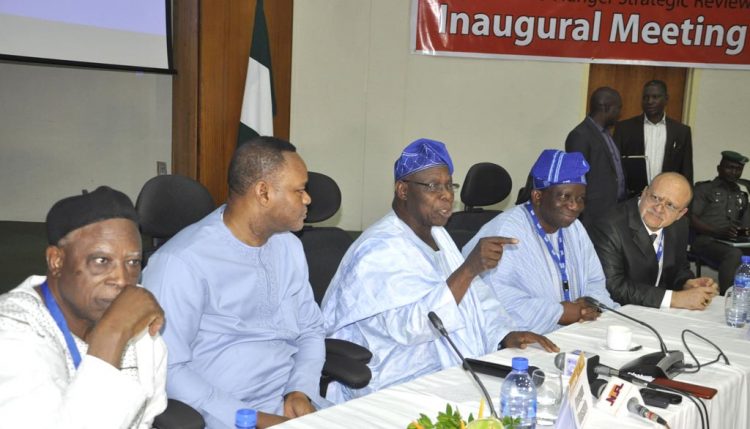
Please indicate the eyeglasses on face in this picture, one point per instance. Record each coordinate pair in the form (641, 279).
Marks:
(656, 200)
(436, 188)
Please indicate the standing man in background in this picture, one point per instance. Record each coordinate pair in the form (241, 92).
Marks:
(606, 182)
(667, 143)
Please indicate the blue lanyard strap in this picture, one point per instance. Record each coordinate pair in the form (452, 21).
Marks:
(56, 313)
(558, 259)
(660, 249)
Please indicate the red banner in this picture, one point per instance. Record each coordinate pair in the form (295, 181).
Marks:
(687, 33)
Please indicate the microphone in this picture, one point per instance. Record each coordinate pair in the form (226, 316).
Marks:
(608, 371)
(666, 363)
(636, 408)
(438, 324)
(566, 362)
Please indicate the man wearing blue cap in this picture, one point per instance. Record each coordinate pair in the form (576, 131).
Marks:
(720, 211)
(405, 266)
(544, 277)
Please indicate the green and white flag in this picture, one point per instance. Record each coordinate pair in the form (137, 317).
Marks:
(258, 104)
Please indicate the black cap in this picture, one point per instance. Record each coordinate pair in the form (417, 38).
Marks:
(78, 211)
(731, 155)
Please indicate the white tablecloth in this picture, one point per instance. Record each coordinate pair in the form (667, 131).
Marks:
(395, 407)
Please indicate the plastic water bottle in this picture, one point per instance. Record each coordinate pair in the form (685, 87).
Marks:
(245, 418)
(518, 395)
(742, 286)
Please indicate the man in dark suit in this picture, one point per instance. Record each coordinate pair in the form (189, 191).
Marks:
(606, 182)
(642, 248)
(666, 142)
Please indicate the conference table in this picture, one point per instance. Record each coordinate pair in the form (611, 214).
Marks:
(397, 406)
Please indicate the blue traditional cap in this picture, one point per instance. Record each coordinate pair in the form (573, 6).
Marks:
(420, 155)
(555, 167)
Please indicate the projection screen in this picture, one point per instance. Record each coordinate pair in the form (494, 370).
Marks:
(120, 34)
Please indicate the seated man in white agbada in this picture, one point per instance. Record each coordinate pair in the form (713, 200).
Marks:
(80, 347)
(406, 265)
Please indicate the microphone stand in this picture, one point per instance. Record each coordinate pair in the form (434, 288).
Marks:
(666, 363)
(438, 324)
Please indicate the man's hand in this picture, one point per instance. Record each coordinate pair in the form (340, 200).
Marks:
(486, 254)
(134, 310)
(726, 233)
(578, 311)
(694, 297)
(268, 420)
(706, 282)
(297, 404)
(520, 339)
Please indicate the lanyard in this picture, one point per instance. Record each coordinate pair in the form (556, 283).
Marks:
(659, 256)
(559, 260)
(56, 313)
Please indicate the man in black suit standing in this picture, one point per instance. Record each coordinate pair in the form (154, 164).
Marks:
(606, 182)
(642, 248)
(667, 143)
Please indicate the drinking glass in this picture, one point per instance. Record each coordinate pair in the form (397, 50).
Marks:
(548, 396)
(735, 315)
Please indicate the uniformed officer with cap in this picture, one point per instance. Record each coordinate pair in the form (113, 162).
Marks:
(720, 211)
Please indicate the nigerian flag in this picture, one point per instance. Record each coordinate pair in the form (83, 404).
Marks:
(258, 104)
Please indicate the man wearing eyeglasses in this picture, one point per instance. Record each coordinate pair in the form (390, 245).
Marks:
(643, 249)
(544, 279)
(405, 266)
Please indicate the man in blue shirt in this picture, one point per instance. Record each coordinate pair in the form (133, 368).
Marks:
(243, 330)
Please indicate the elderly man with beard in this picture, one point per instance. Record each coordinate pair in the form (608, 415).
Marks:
(405, 266)
(545, 277)
(643, 249)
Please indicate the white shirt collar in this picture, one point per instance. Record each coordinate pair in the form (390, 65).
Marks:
(662, 121)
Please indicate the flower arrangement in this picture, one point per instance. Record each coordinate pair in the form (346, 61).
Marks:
(451, 419)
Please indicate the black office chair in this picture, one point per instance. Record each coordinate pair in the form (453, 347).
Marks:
(485, 184)
(179, 415)
(699, 260)
(324, 248)
(167, 204)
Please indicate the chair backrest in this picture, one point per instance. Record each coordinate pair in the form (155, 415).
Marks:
(485, 184)
(324, 246)
(169, 203)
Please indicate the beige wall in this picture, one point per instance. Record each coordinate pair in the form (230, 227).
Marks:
(359, 96)
(66, 129)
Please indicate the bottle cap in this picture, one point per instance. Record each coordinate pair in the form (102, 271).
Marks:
(520, 364)
(745, 259)
(245, 418)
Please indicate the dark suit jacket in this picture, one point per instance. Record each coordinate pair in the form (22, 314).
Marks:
(601, 191)
(629, 260)
(678, 153)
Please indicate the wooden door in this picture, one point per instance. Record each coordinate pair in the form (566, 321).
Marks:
(628, 81)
